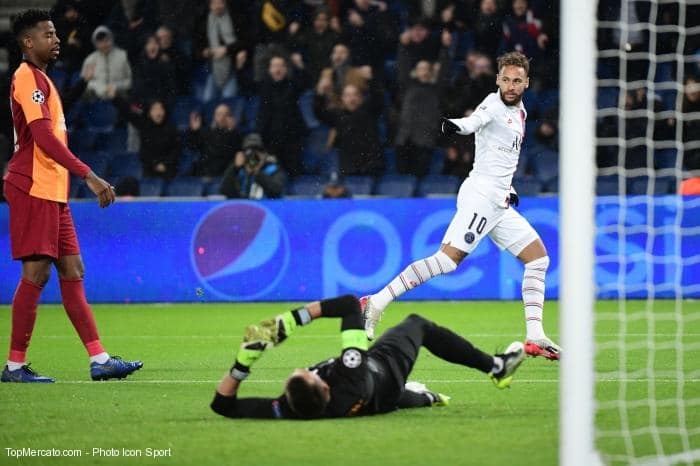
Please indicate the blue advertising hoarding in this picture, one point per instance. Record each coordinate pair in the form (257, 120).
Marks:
(297, 250)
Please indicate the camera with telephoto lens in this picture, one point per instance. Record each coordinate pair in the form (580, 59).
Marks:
(252, 157)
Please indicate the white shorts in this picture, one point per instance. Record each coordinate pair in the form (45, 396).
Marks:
(477, 217)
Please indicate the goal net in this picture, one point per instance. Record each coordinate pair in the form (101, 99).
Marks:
(647, 237)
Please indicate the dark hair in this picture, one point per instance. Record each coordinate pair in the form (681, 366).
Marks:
(28, 19)
(305, 400)
(514, 59)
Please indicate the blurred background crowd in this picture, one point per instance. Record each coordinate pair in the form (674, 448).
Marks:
(338, 98)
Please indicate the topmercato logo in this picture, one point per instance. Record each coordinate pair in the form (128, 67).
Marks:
(240, 250)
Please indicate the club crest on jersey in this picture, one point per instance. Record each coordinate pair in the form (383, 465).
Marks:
(352, 358)
(469, 237)
(38, 97)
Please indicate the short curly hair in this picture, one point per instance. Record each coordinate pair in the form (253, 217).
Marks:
(28, 19)
(514, 59)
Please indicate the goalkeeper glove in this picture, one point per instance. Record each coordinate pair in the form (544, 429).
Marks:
(447, 127)
(513, 198)
(258, 338)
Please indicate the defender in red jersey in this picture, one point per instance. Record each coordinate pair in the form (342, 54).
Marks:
(36, 188)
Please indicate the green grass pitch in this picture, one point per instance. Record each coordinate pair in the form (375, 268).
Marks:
(186, 349)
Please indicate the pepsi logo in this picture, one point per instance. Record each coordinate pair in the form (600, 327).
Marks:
(239, 251)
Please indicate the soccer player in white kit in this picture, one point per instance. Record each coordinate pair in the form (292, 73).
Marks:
(484, 207)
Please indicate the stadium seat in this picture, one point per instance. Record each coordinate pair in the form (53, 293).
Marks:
(665, 158)
(607, 185)
(607, 97)
(527, 186)
(551, 186)
(187, 162)
(212, 187)
(99, 115)
(661, 185)
(308, 186)
(359, 185)
(125, 164)
(98, 161)
(81, 140)
(545, 164)
(114, 141)
(438, 185)
(185, 186)
(181, 111)
(315, 156)
(151, 187)
(396, 186)
(248, 121)
(306, 106)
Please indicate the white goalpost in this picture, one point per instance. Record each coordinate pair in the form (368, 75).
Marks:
(630, 372)
(576, 207)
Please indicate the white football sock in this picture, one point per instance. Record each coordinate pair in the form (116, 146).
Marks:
(414, 275)
(533, 296)
(100, 358)
(14, 365)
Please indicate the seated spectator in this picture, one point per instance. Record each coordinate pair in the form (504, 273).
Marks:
(355, 131)
(279, 120)
(132, 21)
(365, 31)
(691, 125)
(225, 51)
(160, 144)
(421, 108)
(254, 173)
(522, 31)
(215, 144)
(154, 75)
(127, 187)
(112, 72)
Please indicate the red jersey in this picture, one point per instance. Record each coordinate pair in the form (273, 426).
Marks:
(32, 97)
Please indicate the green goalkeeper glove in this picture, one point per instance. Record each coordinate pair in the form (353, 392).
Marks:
(258, 338)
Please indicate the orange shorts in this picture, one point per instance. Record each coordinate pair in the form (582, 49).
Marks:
(39, 227)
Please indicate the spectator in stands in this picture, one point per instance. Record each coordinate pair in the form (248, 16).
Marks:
(522, 31)
(444, 14)
(488, 28)
(419, 123)
(415, 44)
(154, 75)
(459, 157)
(254, 172)
(132, 21)
(74, 32)
(354, 129)
(160, 144)
(170, 53)
(279, 121)
(215, 144)
(225, 50)
(472, 84)
(335, 189)
(362, 31)
(112, 74)
(316, 43)
(333, 79)
(273, 22)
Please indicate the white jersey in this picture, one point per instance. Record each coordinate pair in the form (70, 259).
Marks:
(500, 130)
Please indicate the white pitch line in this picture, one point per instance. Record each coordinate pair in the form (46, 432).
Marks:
(326, 336)
(263, 381)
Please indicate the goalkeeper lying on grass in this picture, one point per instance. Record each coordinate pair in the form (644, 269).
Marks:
(360, 381)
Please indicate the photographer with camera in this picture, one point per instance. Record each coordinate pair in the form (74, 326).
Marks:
(254, 173)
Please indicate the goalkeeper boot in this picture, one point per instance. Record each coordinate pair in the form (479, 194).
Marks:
(114, 368)
(511, 359)
(371, 315)
(543, 347)
(23, 375)
(436, 399)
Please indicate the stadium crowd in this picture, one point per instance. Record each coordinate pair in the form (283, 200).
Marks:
(335, 98)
